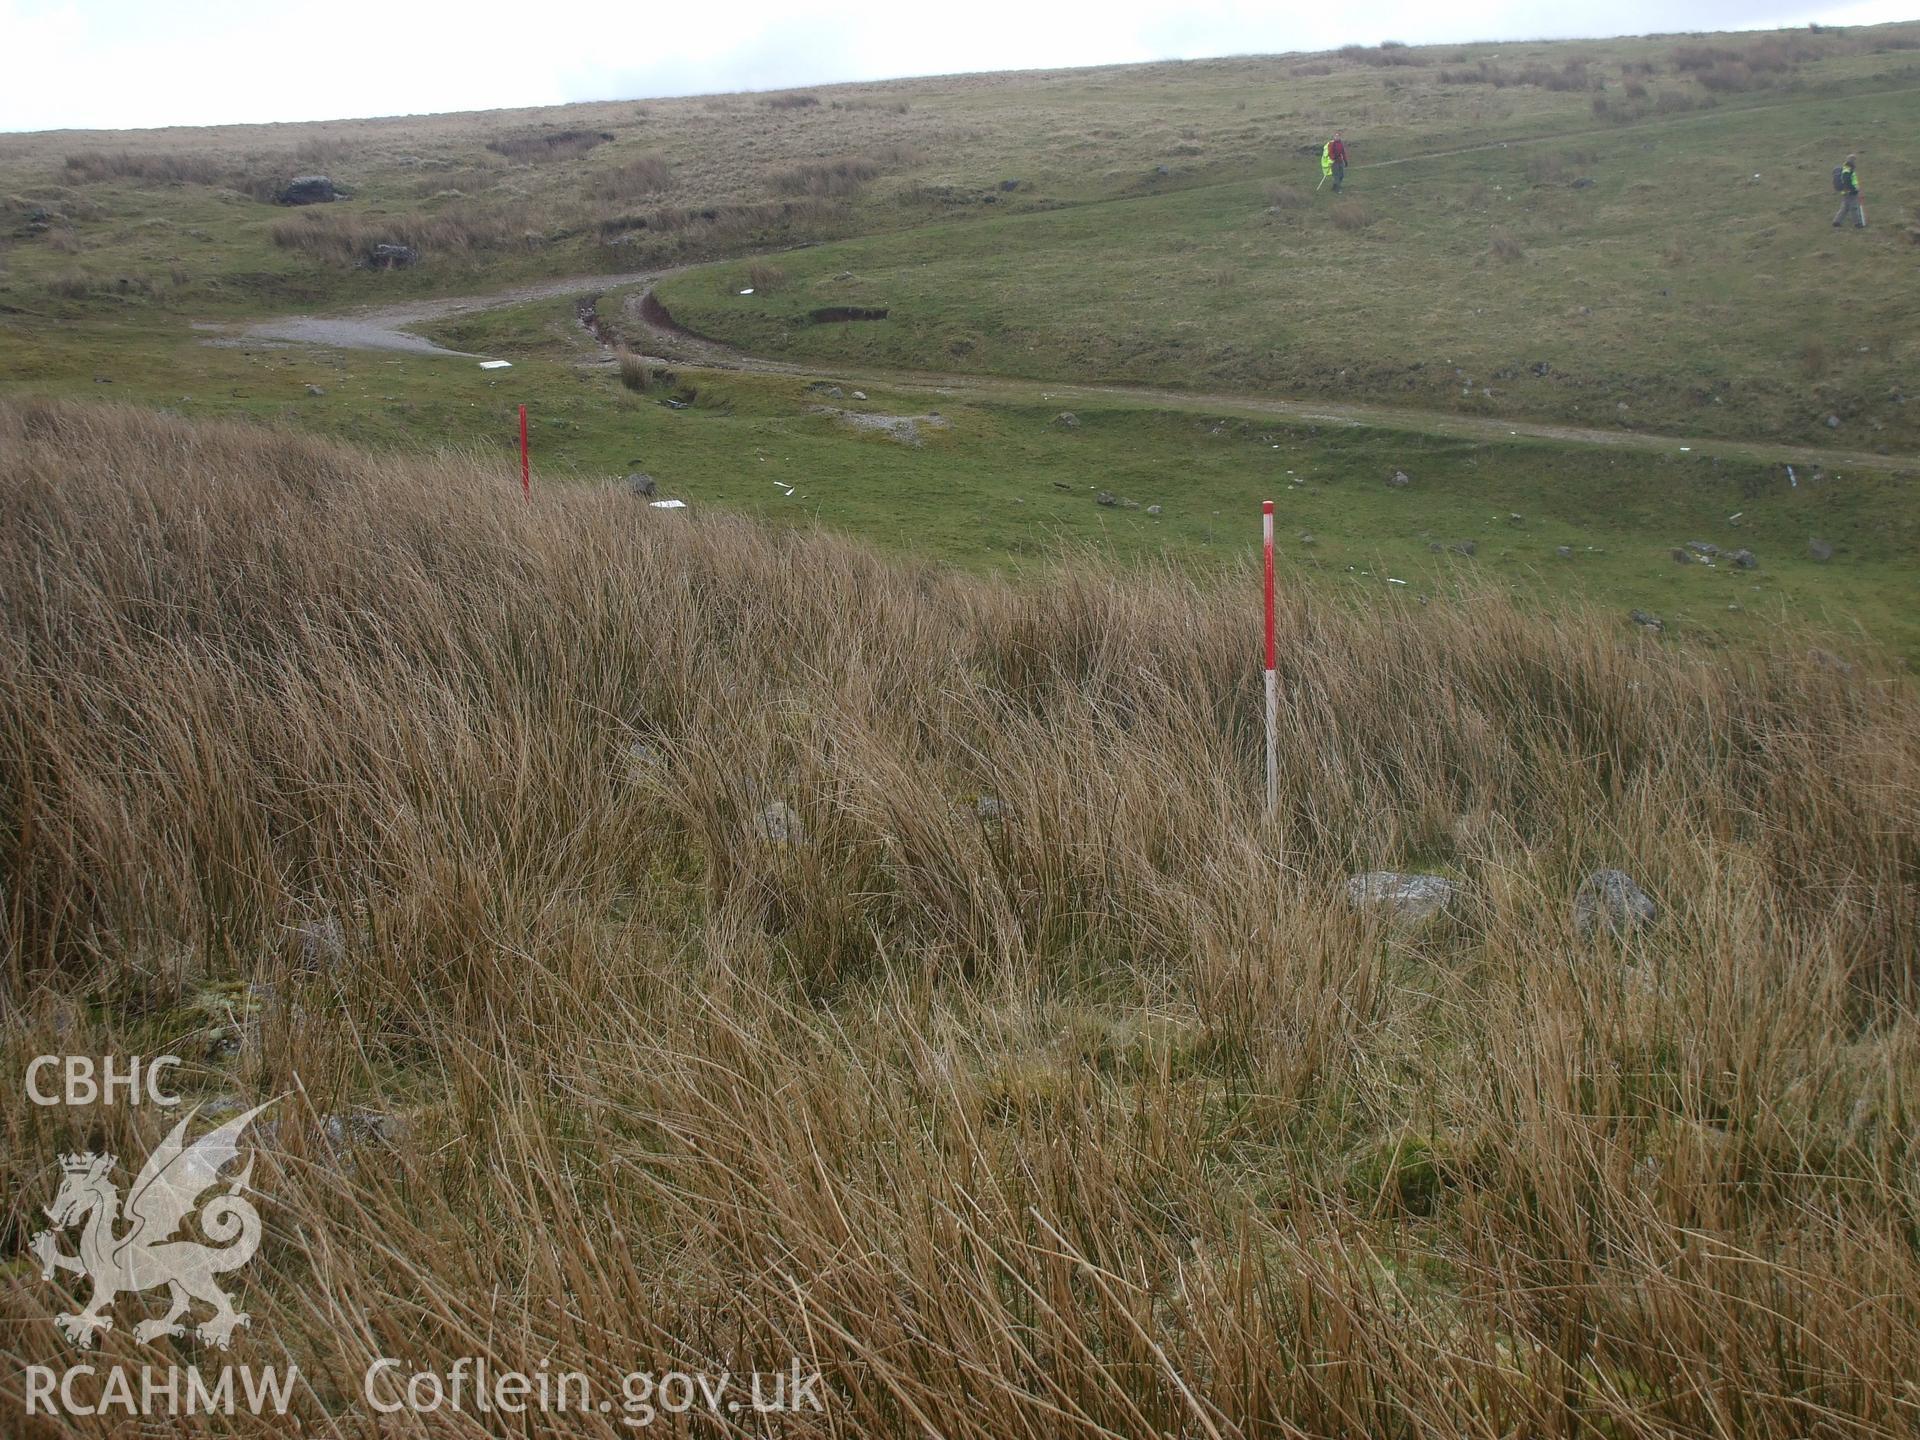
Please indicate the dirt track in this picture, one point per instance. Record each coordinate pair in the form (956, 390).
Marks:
(391, 327)
(646, 325)
(650, 322)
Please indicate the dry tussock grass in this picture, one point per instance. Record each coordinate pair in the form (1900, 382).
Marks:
(347, 237)
(827, 179)
(170, 167)
(1285, 199)
(766, 278)
(633, 179)
(1350, 215)
(545, 146)
(1098, 1116)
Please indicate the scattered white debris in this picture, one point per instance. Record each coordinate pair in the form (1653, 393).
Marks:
(1392, 581)
(668, 504)
(1792, 479)
(1685, 448)
(1735, 516)
(747, 291)
(496, 364)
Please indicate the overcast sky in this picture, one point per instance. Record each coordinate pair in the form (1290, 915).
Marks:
(125, 63)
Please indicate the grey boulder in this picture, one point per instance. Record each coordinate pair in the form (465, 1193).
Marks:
(322, 941)
(1401, 897)
(779, 825)
(308, 190)
(1609, 899)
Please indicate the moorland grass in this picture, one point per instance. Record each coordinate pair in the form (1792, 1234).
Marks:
(1091, 1112)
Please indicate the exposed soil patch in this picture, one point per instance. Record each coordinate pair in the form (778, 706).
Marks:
(903, 429)
(587, 310)
(658, 316)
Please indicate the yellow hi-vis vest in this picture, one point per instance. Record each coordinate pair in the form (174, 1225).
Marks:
(1326, 158)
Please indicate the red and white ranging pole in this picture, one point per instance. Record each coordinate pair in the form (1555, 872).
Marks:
(1273, 684)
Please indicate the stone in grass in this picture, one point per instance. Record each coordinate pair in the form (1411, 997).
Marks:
(309, 190)
(988, 808)
(779, 824)
(1066, 420)
(1744, 560)
(1646, 621)
(1399, 480)
(1410, 898)
(322, 941)
(1609, 899)
(643, 485)
(1818, 549)
(644, 762)
(363, 1127)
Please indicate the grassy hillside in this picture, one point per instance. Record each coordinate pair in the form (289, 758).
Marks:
(1152, 224)
(1025, 1079)
(1677, 274)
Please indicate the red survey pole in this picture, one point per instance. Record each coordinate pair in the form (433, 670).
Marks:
(1273, 687)
(526, 469)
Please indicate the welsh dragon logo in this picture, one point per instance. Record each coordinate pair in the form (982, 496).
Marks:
(146, 1255)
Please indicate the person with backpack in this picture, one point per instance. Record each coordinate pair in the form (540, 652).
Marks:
(1333, 162)
(1847, 181)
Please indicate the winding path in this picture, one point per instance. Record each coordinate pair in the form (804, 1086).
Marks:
(391, 327)
(646, 326)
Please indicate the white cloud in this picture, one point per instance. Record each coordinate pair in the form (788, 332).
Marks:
(127, 63)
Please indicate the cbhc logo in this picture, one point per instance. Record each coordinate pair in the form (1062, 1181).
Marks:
(83, 1080)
